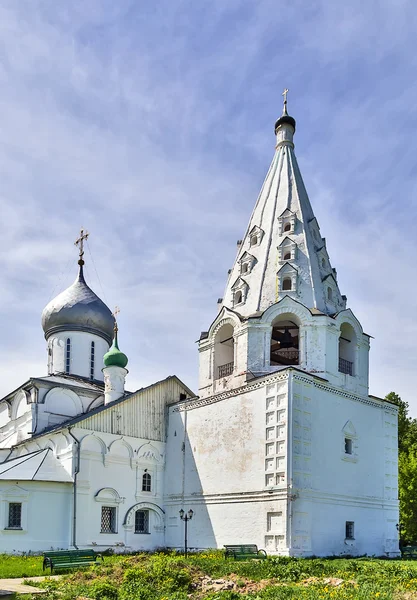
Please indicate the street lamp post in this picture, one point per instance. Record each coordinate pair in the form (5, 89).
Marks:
(186, 517)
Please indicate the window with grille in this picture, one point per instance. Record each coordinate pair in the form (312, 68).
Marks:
(67, 356)
(15, 515)
(108, 519)
(146, 482)
(350, 530)
(92, 360)
(142, 521)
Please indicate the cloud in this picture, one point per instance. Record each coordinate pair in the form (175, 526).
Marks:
(152, 126)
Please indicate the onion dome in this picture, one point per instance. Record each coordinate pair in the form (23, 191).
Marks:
(285, 117)
(114, 357)
(78, 308)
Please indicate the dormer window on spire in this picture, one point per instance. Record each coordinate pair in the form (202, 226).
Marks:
(287, 250)
(247, 262)
(239, 290)
(287, 222)
(255, 236)
(287, 280)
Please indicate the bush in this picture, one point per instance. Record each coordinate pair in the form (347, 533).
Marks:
(102, 590)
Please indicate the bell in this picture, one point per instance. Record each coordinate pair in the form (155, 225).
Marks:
(286, 340)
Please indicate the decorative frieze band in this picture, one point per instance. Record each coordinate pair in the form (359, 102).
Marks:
(197, 403)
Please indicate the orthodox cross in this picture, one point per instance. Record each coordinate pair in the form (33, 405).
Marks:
(284, 93)
(115, 313)
(80, 244)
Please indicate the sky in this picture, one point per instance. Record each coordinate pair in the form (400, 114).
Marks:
(150, 124)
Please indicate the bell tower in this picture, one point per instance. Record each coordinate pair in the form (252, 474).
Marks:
(282, 306)
(284, 445)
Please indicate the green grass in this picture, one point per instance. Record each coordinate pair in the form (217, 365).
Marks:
(172, 577)
(20, 566)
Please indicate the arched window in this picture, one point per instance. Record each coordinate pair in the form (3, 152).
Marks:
(92, 351)
(329, 294)
(245, 268)
(287, 256)
(146, 482)
(286, 284)
(68, 356)
(224, 352)
(323, 262)
(285, 341)
(347, 349)
(287, 227)
(254, 240)
(238, 297)
(142, 521)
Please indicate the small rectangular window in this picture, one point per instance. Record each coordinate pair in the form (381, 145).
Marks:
(68, 356)
(142, 521)
(348, 446)
(92, 356)
(108, 519)
(15, 515)
(350, 530)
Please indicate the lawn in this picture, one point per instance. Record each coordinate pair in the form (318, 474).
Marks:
(209, 576)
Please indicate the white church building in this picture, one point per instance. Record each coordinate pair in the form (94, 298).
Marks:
(283, 446)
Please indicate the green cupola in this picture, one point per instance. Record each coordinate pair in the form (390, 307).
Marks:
(114, 357)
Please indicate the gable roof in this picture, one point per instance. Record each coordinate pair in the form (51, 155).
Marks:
(74, 420)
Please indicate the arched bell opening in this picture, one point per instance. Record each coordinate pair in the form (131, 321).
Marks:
(224, 352)
(347, 349)
(285, 341)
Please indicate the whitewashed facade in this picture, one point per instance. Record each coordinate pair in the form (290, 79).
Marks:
(283, 447)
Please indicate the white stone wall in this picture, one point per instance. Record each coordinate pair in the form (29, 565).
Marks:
(46, 507)
(267, 465)
(116, 464)
(331, 486)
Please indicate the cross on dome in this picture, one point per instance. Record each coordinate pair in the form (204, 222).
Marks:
(79, 242)
(115, 313)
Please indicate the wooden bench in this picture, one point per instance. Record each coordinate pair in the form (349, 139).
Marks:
(409, 551)
(69, 559)
(244, 551)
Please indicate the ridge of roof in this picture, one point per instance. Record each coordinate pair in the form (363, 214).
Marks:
(74, 420)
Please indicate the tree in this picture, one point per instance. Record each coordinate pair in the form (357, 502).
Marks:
(407, 469)
(407, 492)
(407, 427)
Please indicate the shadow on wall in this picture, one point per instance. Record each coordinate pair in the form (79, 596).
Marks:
(184, 490)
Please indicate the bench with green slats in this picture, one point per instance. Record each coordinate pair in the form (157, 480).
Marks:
(409, 551)
(69, 559)
(243, 551)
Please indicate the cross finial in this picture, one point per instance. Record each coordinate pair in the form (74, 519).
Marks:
(284, 93)
(80, 245)
(115, 313)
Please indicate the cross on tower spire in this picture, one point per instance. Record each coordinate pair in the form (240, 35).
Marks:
(284, 93)
(80, 245)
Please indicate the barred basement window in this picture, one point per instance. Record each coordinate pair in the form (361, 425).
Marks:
(142, 521)
(15, 515)
(68, 356)
(92, 360)
(350, 530)
(146, 482)
(108, 519)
